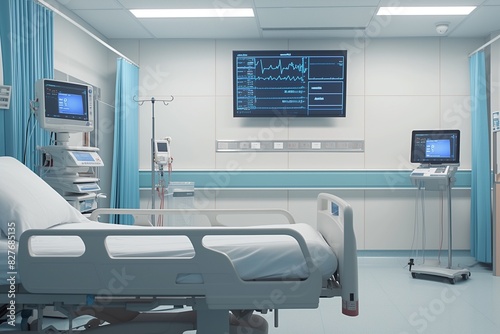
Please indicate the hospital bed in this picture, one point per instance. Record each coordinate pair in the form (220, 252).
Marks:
(216, 275)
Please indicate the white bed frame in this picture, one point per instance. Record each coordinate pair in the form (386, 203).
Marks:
(97, 280)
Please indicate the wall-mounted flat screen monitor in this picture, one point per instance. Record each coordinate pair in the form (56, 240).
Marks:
(435, 147)
(289, 83)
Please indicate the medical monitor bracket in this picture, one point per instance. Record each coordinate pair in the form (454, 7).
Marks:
(64, 107)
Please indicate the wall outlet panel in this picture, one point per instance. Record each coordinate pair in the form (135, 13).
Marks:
(290, 146)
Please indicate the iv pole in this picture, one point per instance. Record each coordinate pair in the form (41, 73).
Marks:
(153, 180)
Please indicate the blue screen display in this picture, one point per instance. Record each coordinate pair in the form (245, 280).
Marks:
(439, 148)
(435, 147)
(71, 104)
(83, 156)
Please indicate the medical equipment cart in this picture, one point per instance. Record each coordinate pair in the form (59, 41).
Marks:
(438, 178)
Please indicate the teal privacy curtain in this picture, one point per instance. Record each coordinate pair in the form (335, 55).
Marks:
(26, 32)
(480, 216)
(125, 173)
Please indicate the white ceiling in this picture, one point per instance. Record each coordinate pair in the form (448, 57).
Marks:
(281, 19)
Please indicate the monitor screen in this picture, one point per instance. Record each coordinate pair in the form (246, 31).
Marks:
(435, 147)
(289, 83)
(162, 146)
(64, 106)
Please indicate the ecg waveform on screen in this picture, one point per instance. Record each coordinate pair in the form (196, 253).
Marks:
(291, 84)
(269, 72)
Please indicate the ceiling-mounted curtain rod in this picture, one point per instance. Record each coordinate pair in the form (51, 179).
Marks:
(85, 30)
(485, 45)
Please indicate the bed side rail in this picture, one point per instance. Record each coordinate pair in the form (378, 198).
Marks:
(214, 216)
(96, 273)
(335, 223)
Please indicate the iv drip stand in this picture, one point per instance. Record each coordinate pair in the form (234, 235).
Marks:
(153, 180)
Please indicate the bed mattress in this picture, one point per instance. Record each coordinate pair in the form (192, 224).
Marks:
(255, 257)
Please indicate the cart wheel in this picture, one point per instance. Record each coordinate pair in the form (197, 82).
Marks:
(413, 275)
(452, 280)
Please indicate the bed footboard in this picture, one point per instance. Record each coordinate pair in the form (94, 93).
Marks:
(335, 223)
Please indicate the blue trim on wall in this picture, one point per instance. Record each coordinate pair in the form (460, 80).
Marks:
(356, 179)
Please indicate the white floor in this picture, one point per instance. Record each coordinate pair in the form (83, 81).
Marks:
(392, 302)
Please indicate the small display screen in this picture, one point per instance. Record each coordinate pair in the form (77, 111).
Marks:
(83, 156)
(70, 104)
(438, 148)
(162, 147)
(435, 147)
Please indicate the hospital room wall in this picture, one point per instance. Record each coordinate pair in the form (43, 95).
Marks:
(394, 86)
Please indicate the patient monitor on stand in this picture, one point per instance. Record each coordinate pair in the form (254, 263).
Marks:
(63, 108)
(438, 153)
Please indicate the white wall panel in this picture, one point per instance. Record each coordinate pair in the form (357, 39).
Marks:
(407, 66)
(177, 67)
(454, 65)
(389, 218)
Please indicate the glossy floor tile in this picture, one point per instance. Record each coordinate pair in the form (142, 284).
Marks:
(392, 302)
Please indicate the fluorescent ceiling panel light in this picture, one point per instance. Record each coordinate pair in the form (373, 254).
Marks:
(193, 13)
(453, 10)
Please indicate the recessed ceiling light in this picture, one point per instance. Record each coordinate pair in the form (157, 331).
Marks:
(193, 13)
(450, 10)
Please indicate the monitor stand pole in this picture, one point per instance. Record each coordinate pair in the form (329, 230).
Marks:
(450, 273)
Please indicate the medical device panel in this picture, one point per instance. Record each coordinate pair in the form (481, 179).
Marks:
(74, 156)
(162, 151)
(435, 147)
(64, 107)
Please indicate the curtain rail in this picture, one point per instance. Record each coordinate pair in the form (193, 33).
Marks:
(85, 30)
(486, 44)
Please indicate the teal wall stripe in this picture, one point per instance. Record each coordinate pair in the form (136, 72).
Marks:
(299, 179)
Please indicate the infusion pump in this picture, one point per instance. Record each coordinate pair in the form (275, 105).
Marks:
(68, 156)
(162, 151)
